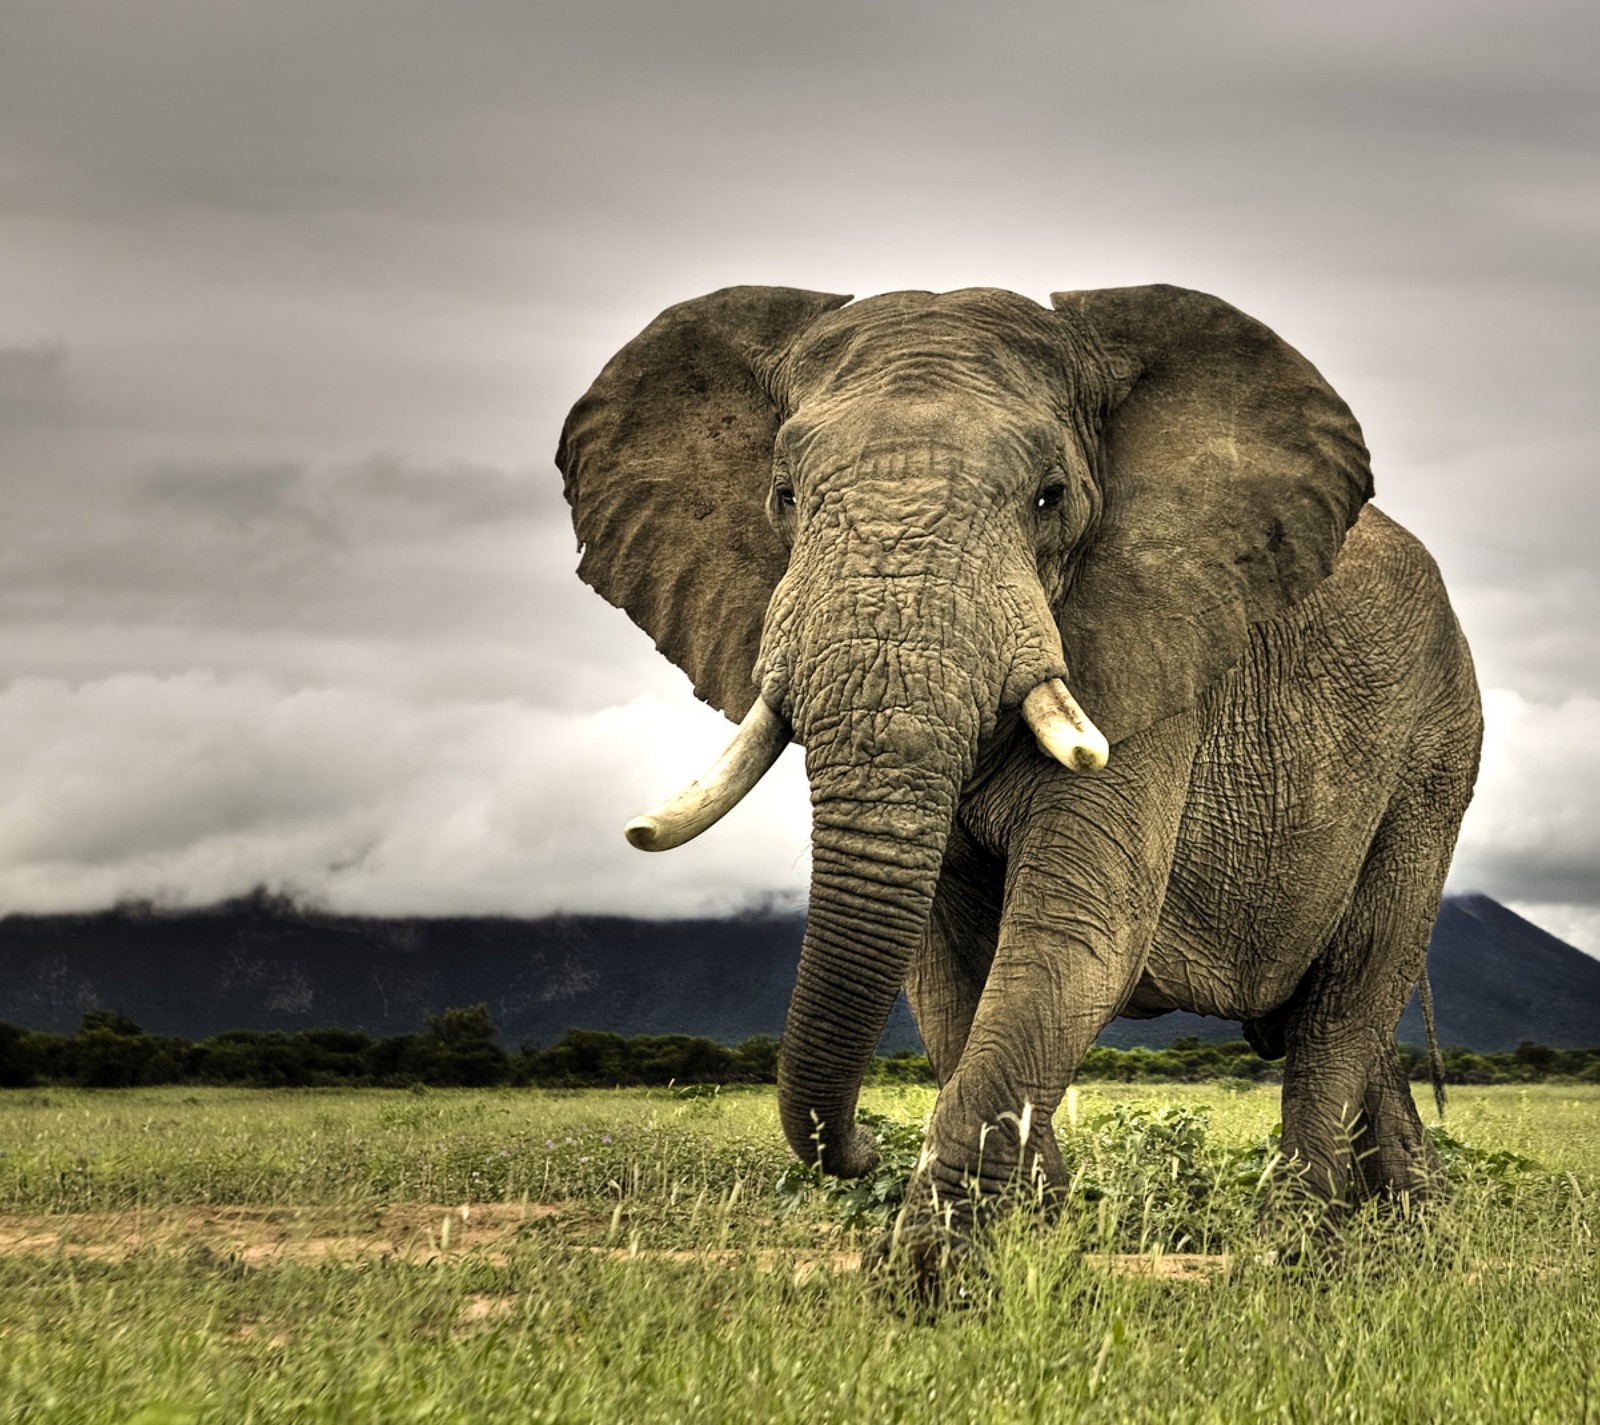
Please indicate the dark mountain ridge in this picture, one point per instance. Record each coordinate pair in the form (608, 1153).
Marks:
(262, 962)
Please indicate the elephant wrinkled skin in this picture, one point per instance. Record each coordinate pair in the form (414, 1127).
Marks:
(891, 528)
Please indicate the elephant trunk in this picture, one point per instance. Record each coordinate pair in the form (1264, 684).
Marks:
(875, 863)
(908, 621)
(892, 659)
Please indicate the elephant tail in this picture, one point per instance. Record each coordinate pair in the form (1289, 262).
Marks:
(1435, 1059)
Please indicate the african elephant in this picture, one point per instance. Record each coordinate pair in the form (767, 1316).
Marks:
(1116, 696)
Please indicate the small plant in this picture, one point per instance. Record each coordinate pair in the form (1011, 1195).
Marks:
(1231, 1083)
(871, 1201)
(1147, 1178)
(1250, 1166)
(1462, 1160)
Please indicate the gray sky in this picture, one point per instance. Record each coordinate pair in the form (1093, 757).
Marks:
(294, 297)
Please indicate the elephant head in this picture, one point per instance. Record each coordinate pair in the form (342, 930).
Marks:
(887, 527)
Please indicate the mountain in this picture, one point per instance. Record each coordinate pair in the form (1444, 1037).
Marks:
(264, 963)
(1498, 979)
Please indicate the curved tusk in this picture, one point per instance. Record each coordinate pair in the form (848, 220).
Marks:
(1063, 728)
(755, 747)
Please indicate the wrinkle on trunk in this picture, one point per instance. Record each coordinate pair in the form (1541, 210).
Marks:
(875, 864)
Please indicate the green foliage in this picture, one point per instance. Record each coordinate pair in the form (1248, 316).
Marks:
(247, 1056)
(457, 1048)
(112, 1052)
(904, 1066)
(1462, 1161)
(583, 1058)
(1150, 1179)
(1185, 1060)
(1528, 1063)
(461, 1028)
(109, 1021)
(870, 1201)
(1145, 1177)
(755, 1060)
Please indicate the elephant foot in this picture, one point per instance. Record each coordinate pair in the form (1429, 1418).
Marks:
(1407, 1200)
(1401, 1231)
(1302, 1221)
(1401, 1182)
(1371, 1237)
(1323, 1216)
(927, 1267)
(1302, 1250)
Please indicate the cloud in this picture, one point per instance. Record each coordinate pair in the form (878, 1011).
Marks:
(1531, 836)
(191, 788)
(33, 384)
(275, 563)
(298, 296)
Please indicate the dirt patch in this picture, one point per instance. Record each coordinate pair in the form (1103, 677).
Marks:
(422, 1232)
(805, 1264)
(1168, 1266)
(259, 1236)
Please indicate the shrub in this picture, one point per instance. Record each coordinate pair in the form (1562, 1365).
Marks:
(16, 1063)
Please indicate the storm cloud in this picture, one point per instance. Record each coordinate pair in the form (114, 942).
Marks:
(295, 298)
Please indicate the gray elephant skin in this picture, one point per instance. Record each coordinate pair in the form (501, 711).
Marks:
(959, 545)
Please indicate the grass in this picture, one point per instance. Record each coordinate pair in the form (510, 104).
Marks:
(235, 1256)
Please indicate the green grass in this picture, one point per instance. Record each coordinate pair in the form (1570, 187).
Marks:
(83, 1150)
(590, 1305)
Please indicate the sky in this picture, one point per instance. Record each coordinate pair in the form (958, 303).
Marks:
(294, 299)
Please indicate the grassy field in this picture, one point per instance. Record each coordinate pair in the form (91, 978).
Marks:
(179, 1255)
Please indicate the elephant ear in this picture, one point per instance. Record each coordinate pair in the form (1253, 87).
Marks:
(1229, 473)
(667, 461)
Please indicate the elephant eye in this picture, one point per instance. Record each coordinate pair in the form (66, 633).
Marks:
(1049, 497)
(783, 495)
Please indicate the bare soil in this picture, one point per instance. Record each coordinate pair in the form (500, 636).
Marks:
(260, 1236)
(422, 1232)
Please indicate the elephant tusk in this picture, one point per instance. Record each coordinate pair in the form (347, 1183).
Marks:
(761, 737)
(1063, 728)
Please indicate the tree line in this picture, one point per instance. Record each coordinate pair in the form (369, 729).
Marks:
(458, 1049)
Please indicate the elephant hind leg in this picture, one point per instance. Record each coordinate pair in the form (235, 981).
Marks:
(1394, 1156)
(1348, 1115)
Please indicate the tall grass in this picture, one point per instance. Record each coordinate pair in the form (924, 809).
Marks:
(1483, 1309)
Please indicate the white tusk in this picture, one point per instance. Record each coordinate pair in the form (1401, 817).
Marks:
(1063, 728)
(761, 737)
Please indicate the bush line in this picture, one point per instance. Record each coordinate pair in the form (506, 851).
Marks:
(457, 1049)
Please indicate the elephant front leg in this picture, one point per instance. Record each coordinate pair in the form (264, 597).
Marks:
(991, 1140)
(1086, 871)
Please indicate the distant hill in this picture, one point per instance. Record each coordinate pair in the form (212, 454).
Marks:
(1498, 979)
(263, 963)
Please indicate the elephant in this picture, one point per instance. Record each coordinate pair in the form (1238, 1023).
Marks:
(1116, 694)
